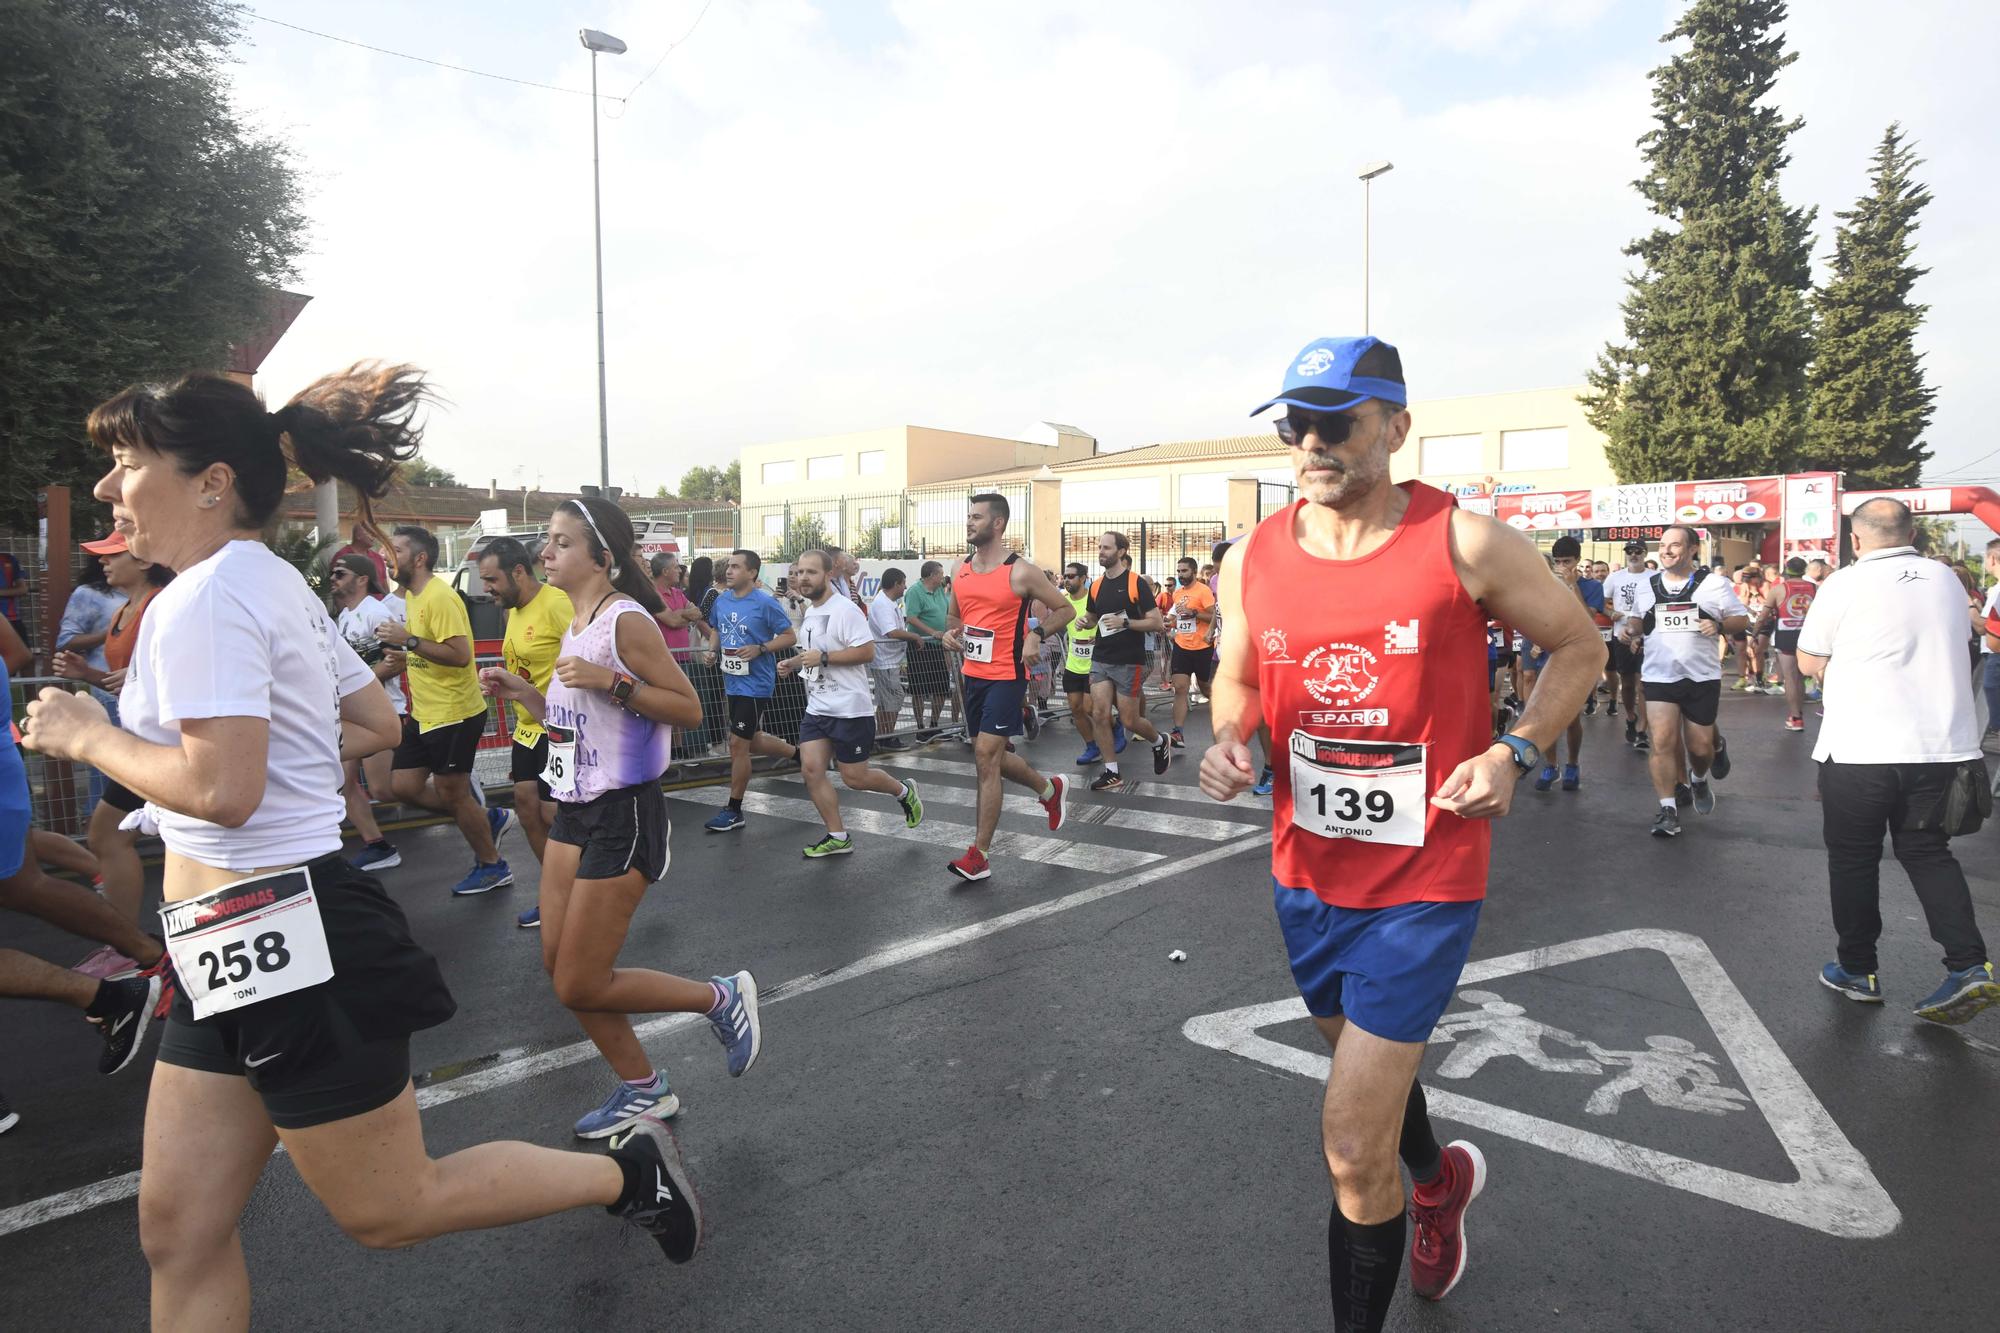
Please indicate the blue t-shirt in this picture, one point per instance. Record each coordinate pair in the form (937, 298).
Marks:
(1593, 599)
(739, 621)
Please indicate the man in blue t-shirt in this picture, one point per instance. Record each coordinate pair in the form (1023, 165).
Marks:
(1565, 558)
(750, 627)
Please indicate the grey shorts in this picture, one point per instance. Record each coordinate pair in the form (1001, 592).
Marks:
(1124, 678)
(888, 689)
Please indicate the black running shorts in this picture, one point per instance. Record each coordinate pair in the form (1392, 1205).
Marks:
(1076, 682)
(623, 830)
(746, 714)
(1698, 700)
(1788, 642)
(1626, 659)
(448, 749)
(1196, 662)
(528, 762)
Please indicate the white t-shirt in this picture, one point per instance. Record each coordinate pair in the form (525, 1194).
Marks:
(1986, 613)
(837, 691)
(241, 635)
(1892, 628)
(1682, 652)
(1621, 589)
(357, 624)
(883, 616)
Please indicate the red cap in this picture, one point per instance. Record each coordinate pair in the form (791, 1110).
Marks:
(112, 545)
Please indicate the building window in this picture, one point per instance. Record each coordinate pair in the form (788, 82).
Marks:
(870, 517)
(872, 462)
(774, 526)
(1204, 490)
(829, 522)
(1438, 455)
(780, 473)
(823, 468)
(1534, 450)
(1138, 493)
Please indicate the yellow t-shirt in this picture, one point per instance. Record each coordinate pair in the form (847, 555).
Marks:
(534, 640)
(440, 695)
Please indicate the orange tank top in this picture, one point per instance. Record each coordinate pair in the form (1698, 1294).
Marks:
(124, 632)
(995, 620)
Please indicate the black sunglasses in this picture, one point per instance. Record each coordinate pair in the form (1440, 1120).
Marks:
(1330, 427)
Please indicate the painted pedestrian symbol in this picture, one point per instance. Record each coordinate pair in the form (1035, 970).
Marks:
(1660, 1072)
(1498, 1028)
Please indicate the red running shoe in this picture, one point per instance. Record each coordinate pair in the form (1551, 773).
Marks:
(1437, 1211)
(1058, 803)
(164, 970)
(973, 865)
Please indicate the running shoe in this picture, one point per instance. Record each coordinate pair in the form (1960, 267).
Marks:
(1108, 781)
(1437, 1216)
(1031, 722)
(483, 879)
(1163, 755)
(1546, 778)
(725, 820)
(737, 1026)
(1057, 803)
(1590, 706)
(1572, 777)
(1702, 792)
(1179, 741)
(1721, 765)
(830, 846)
(9, 1117)
(499, 818)
(1264, 783)
(624, 1107)
(1667, 824)
(1741, 685)
(1118, 738)
(1683, 795)
(1860, 986)
(1643, 743)
(973, 865)
(169, 984)
(104, 963)
(530, 919)
(665, 1206)
(1613, 710)
(1091, 755)
(134, 1000)
(1632, 733)
(913, 804)
(1812, 694)
(1963, 994)
(1795, 723)
(384, 856)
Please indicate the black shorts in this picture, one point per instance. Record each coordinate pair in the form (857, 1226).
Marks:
(746, 714)
(120, 797)
(446, 749)
(852, 738)
(1196, 662)
(1698, 700)
(528, 762)
(1625, 658)
(1076, 682)
(929, 676)
(1788, 642)
(334, 1050)
(623, 830)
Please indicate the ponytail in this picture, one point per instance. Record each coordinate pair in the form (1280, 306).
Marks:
(357, 426)
(609, 531)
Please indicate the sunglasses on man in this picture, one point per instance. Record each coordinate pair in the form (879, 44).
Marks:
(1329, 427)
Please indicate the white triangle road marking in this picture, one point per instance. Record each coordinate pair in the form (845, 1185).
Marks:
(1835, 1193)
(1257, 807)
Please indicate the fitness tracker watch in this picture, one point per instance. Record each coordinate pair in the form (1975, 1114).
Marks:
(1527, 755)
(622, 686)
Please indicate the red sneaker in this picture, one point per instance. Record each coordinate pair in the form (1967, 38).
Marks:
(164, 970)
(1437, 1212)
(1058, 803)
(973, 865)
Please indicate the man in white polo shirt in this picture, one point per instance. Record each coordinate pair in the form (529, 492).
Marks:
(1887, 634)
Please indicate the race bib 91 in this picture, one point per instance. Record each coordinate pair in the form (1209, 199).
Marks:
(1677, 618)
(978, 644)
(560, 770)
(1368, 790)
(247, 942)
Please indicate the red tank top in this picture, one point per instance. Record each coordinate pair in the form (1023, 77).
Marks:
(1373, 675)
(1794, 599)
(995, 619)
(124, 632)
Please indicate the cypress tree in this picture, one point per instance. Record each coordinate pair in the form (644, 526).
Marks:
(1711, 378)
(1869, 405)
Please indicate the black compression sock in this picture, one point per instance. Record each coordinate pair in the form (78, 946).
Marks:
(1363, 1263)
(1419, 1147)
(736, 804)
(105, 1003)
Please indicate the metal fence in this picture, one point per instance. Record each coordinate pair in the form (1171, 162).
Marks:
(1157, 544)
(1273, 496)
(918, 524)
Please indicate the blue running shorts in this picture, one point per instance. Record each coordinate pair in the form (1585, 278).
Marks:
(16, 808)
(1389, 971)
(993, 707)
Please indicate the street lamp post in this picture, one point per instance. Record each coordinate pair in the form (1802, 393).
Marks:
(594, 42)
(1368, 175)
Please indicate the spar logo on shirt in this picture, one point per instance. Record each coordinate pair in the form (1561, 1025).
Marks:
(1341, 675)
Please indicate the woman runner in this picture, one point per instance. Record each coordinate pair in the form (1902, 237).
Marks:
(299, 983)
(612, 702)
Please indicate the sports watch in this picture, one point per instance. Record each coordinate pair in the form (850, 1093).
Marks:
(622, 686)
(1527, 755)
(410, 644)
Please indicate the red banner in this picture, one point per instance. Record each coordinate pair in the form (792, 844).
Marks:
(1748, 500)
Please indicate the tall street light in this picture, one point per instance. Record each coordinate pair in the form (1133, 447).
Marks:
(1368, 175)
(594, 42)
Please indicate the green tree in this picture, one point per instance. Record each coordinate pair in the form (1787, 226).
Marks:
(1869, 404)
(142, 225)
(713, 483)
(423, 472)
(1710, 380)
(804, 533)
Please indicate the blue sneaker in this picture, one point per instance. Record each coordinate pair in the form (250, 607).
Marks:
(500, 820)
(1091, 755)
(1263, 787)
(1118, 737)
(484, 879)
(530, 919)
(725, 820)
(1546, 778)
(1854, 985)
(1572, 777)
(376, 856)
(624, 1106)
(1962, 995)
(736, 1027)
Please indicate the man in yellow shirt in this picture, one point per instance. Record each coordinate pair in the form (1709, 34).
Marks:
(1190, 609)
(433, 765)
(537, 617)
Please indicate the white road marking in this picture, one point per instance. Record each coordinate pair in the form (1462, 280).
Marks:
(1048, 848)
(1018, 802)
(82, 1199)
(1151, 788)
(1835, 1193)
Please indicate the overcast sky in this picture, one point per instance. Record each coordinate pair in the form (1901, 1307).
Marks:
(1121, 215)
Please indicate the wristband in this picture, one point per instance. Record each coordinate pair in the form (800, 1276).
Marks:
(622, 687)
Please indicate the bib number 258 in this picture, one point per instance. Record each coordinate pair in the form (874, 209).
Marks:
(235, 961)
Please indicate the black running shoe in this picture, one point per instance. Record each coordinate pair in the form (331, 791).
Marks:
(1643, 743)
(1683, 795)
(1721, 769)
(1613, 712)
(1667, 824)
(665, 1208)
(1590, 706)
(122, 1029)
(1108, 781)
(1163, 755)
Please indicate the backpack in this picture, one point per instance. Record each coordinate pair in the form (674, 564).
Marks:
(1685, 594)
(1131, 589)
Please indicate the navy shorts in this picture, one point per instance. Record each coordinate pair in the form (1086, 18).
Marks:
(994, 706)
(852, 738)
(1390, 971)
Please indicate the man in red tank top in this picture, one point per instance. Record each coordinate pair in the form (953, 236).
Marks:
(1786, 609)
(1354, 624)
(987, 624)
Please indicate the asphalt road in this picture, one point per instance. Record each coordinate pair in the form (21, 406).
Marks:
(1000, 1105)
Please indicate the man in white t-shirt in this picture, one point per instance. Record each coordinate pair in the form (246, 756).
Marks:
(1900, 742)
(1681, 612)
(361, 604)
(836, 646)
(892, 641)
(1621, 591)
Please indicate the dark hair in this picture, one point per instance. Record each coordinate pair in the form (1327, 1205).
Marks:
(618, 548)
(1566, 547)
(356, 426)
(420, 538)
(996, 502)
(1187, 560)
(361, 567)
(928, 568)
(701, 577)
(510, 553)
(1076, 567)
(1120, 540)
(750, 558)
(1795, 568)
(892, 577)
(1218, 551)
(825, 557)
(1694, 538)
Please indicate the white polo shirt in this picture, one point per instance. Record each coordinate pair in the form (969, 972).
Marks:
(1892, 628)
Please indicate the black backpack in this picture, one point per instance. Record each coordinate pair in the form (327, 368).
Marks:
(1684, 595)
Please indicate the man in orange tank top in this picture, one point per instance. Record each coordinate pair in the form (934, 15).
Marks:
(1354, 625)
(992, 591)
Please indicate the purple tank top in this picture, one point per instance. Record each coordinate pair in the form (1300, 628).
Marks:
(614, 746)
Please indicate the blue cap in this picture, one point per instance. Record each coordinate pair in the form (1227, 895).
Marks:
(1330, 374)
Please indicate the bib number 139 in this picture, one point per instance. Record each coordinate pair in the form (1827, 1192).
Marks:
(1370, 791)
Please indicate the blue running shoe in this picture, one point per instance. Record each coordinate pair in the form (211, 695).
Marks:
(1263, 787)
(1962, 995)
(530, 919)
(1572, 777)
(737, 1027)
(624, 1107)
(484, 879)
(1860, 986)
(1546, 778)
(1091, 755)
(725, 820)
(1118, 738)
(500, 819)
(376, 856)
